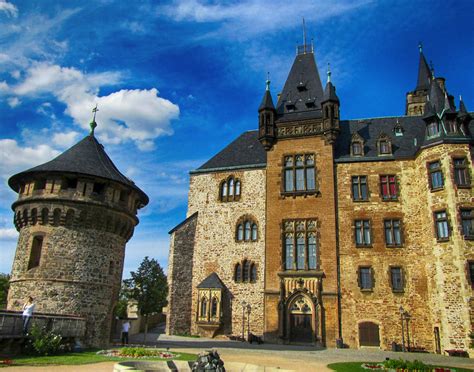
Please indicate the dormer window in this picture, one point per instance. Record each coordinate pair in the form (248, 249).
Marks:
(451, 127)
(302, 87)
(384, 145)
(229, 189)
(432, 130)
(290, 107)
(310, 104)
(357, 145)
(398, 130)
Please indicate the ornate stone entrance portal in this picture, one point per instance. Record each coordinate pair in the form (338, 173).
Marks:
(301, 327)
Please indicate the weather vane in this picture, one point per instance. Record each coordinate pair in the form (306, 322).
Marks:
(93, 124)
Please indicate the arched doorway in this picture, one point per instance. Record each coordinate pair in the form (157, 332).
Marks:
(369, 334)
(301, 320)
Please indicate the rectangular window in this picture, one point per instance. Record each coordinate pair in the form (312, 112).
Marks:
(362, 233)
(359, 188)
(432, 130)
(467, 222)
(396, 278)
(436, 175)
(35, 255)
(461, 175)
(388, 187)
(384, 147)
(365, 278)
(393, 234)
(441, 224)
(356, 149)
(299, 173)
(300, 245)
(471, 272)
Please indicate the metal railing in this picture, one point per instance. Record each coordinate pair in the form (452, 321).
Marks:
(11, 324)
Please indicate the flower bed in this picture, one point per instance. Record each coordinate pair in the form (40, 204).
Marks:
(137, 353)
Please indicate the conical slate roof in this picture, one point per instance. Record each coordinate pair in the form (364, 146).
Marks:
(87, 157)
(267, 102)
(330, 93)
(436, 97)
(424, 74)
(303, 91)
(462, 108)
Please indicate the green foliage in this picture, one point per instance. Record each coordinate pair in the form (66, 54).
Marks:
(43, 342)
(148, 286)
(415, 365)
(138, 352)
(472, 340)
(4, 285)
(122, 304)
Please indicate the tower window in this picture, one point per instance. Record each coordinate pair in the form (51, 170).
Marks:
(299, 173)
(441, 225)
(111, 267)
(436, 175)
(98, 188)
(40, 184)
(359, 188)
(69, 183)
(35, 254)
(461, 174)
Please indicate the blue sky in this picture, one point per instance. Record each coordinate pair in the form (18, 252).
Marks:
(176, 81)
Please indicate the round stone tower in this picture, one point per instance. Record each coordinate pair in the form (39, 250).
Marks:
(75, 214)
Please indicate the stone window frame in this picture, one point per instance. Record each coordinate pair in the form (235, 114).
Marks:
(357, 140)
(290, 229)
(371, 237)
(436, 132)
(465, 217)
(294, 168)
(372, 278)
(432, 171)
(402, 278)
(224, 189)
(401, 231)
(245, 277)
(444, 219)
(359, 188)
(383, 140)
(35, 259)
(390, 196)
(470, 272)
(463, 168)
(241, 228)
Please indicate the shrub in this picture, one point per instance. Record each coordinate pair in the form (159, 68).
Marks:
(416, 365)
(43, 342)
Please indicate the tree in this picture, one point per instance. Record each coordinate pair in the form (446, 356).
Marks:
(149, 287)
(4, 285)
(121, 309)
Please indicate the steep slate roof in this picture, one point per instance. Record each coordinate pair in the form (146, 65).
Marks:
(267, 101)
(212, 281)
(244, 152)
(86, 157)
(302, 86)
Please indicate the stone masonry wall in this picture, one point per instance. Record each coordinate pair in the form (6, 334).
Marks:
(216, 249)
(180, 273)
(436, 291)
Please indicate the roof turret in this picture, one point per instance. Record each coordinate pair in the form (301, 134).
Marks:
(267, 101)
(424, 72)
(330, 90)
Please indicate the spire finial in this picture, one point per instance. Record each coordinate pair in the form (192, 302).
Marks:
(312, 45)
(460, 98)
(329, 72)
(304, 36)
(420, 46)
(267, 83)
(93, 124)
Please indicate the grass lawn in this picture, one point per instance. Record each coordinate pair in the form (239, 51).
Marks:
(86, 357)
(356, 367)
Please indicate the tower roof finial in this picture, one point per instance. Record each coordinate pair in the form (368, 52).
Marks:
(329, 72)
(267, 83)
(304, 36)
(420, 46)
(93, 124)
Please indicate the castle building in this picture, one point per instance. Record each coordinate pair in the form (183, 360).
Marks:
(314, 229)
(75, 214)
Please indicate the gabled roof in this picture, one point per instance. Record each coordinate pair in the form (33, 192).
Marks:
(244, 152)
(212, 281)
(424, 74)
(303, 92)
(182, 223)
(87, 157)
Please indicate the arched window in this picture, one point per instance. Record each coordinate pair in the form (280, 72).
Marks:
(237, 188)
(357, 145)
(204, 307)
(214, 303)
(44, 216)
(253, 273)
(224, 189)
(34, 216)
(25, 217)
(231, 187)
(245, 271)
(57, 217)
(312, 251)
(240, 232)
(69, 217)
(254, 232)
(247, 230)
(238, 273)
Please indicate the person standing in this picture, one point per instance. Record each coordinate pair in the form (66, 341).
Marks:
(28, 309)
(125, 329)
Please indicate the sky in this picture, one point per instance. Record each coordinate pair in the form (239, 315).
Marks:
(176, 81)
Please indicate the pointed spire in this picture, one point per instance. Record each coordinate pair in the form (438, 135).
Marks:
(267, 101)
(462, 106)
(330, 90)
(424, 74)
(448, 108)
(93, 123)
(436, 97)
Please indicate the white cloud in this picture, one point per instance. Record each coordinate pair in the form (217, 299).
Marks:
(139, 115)
(4, 86)
(65, 140)
(14, 158)
(8, 234)
(10, 9)
(13, 102)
